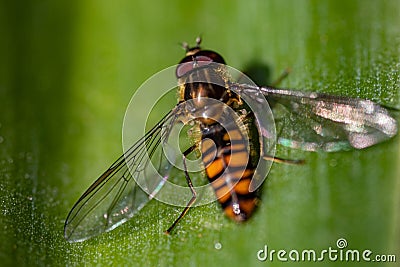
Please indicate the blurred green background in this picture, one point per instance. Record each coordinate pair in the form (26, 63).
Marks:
(69, 68)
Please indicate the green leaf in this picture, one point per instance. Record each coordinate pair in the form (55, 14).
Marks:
(69, 68)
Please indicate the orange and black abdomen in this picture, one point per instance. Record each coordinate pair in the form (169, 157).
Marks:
(228, 166)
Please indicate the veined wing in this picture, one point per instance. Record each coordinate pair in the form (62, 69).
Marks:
(312, 121)
(115, 196)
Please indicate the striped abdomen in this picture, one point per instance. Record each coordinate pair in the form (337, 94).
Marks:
(227, 162)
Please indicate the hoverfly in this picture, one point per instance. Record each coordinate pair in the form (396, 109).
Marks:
(323, 122)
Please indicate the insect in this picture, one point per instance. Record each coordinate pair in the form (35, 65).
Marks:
(230, 147)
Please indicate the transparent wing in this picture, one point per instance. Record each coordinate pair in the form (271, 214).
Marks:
(115, 196)
(312, 121)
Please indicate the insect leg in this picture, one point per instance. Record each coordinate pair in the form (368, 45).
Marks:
(194, 194)
(282, 160)
(285, 161)
(284, 74)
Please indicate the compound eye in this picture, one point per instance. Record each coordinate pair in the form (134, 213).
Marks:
(215, 57)
(191, 62)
